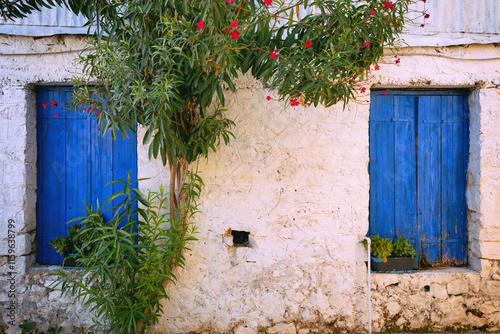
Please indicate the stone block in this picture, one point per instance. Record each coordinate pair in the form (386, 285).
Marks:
(457, 287)
(492, 288)
(393, 308)
(490, 250)
(282, 329)
(439, 291)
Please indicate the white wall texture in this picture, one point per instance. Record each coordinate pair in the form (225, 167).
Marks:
(297, 180)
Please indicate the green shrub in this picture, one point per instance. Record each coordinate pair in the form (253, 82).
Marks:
(126, 260)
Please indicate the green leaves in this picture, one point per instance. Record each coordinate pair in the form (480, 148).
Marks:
(124, 261)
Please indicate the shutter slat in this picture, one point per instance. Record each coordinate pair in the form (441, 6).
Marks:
(454, 215)
(51, 177)
(405, 185)
(429, 176)
(382, 168)
(102, 165)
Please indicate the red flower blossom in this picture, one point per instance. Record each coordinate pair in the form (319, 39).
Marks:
(57, 115)
(377, 67)
(372, 12)
(427, 16)
(294, 102)
(363, 89)
(200, 25)
(422, 25)
(234, 24)
(366, 43)
(53, 103)
(268, 2)
(398, 60)
(388, 5)
(88, 110)
(228, 30)
(308, 44)
(273, 54)
(384, 93)
(44, 105)
(268, 98)
(97, 112)
(424, 1)
(235, 34)
(230, 1)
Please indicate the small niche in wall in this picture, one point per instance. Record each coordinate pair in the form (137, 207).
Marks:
(240, 238)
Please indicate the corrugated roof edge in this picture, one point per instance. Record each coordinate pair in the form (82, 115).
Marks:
(449, 39)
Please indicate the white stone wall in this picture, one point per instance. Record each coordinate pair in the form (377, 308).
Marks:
(33, 299)
(297, 180)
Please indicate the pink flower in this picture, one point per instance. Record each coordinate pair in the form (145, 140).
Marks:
(388, 5)
(427, 16)
(363, 89)
(97, 112)
(294, 102)
(230, 1)
(377, 67)
(372, 12)
(200, 25)
(366, 43)
(268, 98)
(398, 60)
(57, 115)
(308, 44)
(228, 30)
(235, 34)
(273, 54)
(268, 2)
(44, 104)
(234, 24)
(88, 110)
(53, 103)
(384, 93)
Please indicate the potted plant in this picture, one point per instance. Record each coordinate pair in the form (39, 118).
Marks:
(389, 256)
(68, 245)
(74, 245)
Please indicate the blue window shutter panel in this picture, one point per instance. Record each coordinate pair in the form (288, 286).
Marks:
(418, 161)
(382, 167)
(405, 188)
(429, 177)
(454, 121)
(74, 164)
(51, 191)
(102, 166)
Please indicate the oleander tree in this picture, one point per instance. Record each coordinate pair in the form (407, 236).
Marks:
(165, 65)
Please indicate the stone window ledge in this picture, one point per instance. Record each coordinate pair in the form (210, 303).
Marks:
(440, 282)
(433, 271)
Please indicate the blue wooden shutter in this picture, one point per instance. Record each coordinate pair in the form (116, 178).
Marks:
(418, 159)
(74, 164)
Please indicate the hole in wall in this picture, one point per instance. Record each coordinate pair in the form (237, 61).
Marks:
(240, 238)
(427, 288)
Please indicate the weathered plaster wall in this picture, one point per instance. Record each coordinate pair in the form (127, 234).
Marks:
(297, 180)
